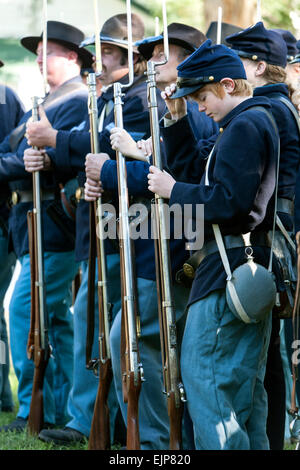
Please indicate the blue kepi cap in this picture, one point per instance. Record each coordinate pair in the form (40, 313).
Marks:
(258, 43)
(208, 64)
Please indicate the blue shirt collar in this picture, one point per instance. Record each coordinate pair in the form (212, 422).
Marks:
(247, 104)
(266, 90)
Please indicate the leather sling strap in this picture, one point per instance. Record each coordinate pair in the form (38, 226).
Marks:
(90, 332)
(292, 109)
(295, 315)
(91, 289)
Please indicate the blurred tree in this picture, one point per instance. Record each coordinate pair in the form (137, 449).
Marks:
(279, 13)
(199, 13)
(238, 12)
(179, 11)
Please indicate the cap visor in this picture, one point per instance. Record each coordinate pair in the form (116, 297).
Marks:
(181, 92)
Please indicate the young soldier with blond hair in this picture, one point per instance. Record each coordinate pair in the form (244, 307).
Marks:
(222, 357)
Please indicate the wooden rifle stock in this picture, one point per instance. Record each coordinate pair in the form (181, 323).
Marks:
(175, 414)
(100, 428)
(99, 438)
(133, 392)
(38, 347)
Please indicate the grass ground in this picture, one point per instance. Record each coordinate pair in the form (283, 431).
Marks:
(23, 441)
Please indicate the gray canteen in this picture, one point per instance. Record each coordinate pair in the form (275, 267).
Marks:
(251, 292)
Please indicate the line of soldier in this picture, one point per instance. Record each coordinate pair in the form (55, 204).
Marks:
(223, 360)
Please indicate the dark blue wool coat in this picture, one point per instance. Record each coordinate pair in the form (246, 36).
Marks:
(64, 112)
(11, 112)
(240, 196)
(289, 143)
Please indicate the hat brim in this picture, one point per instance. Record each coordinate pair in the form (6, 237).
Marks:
(119, 44)
(107, 40)
(185, 91)
(31, 43)
(146, 50)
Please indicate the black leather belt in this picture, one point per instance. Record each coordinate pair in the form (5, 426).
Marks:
(285, 205)
(26, 195)
(230, 241)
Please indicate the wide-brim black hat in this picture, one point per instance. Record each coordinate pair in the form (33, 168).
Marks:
(64, 34)
(114, 31)
(180, 34)
(1, 63)
(227, 29)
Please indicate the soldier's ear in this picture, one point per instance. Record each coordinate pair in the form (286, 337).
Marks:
(72, 55)
(260, 68)
(228, 84)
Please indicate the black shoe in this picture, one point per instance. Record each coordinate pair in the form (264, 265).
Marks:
(18, 425)
(66, 436)
(7, 409)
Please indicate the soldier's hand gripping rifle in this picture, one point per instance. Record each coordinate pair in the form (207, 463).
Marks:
(99, 438)
(38, 347)
(132, 373)
(171, 370)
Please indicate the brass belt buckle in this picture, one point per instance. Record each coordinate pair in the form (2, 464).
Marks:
(15, 197)
(189, 271)
(78, 194)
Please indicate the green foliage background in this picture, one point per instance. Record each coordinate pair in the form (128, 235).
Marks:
(275, 12)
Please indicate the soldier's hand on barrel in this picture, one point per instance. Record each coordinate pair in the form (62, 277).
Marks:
(177, 107)
(92, 190)
(41, 133)
(145, 146)
(122, 141)
(36, 160)
(93, 165)
(160, 182)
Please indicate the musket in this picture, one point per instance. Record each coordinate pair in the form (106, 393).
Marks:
(167, 319)
(132, 373)
(99, 438)
(38, 347)
(294, 408)
(100, 434)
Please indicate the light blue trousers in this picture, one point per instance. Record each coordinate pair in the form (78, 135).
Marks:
(153, 415)
(85, 383)
(60, 269)
(6, 271)
(223, 366)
